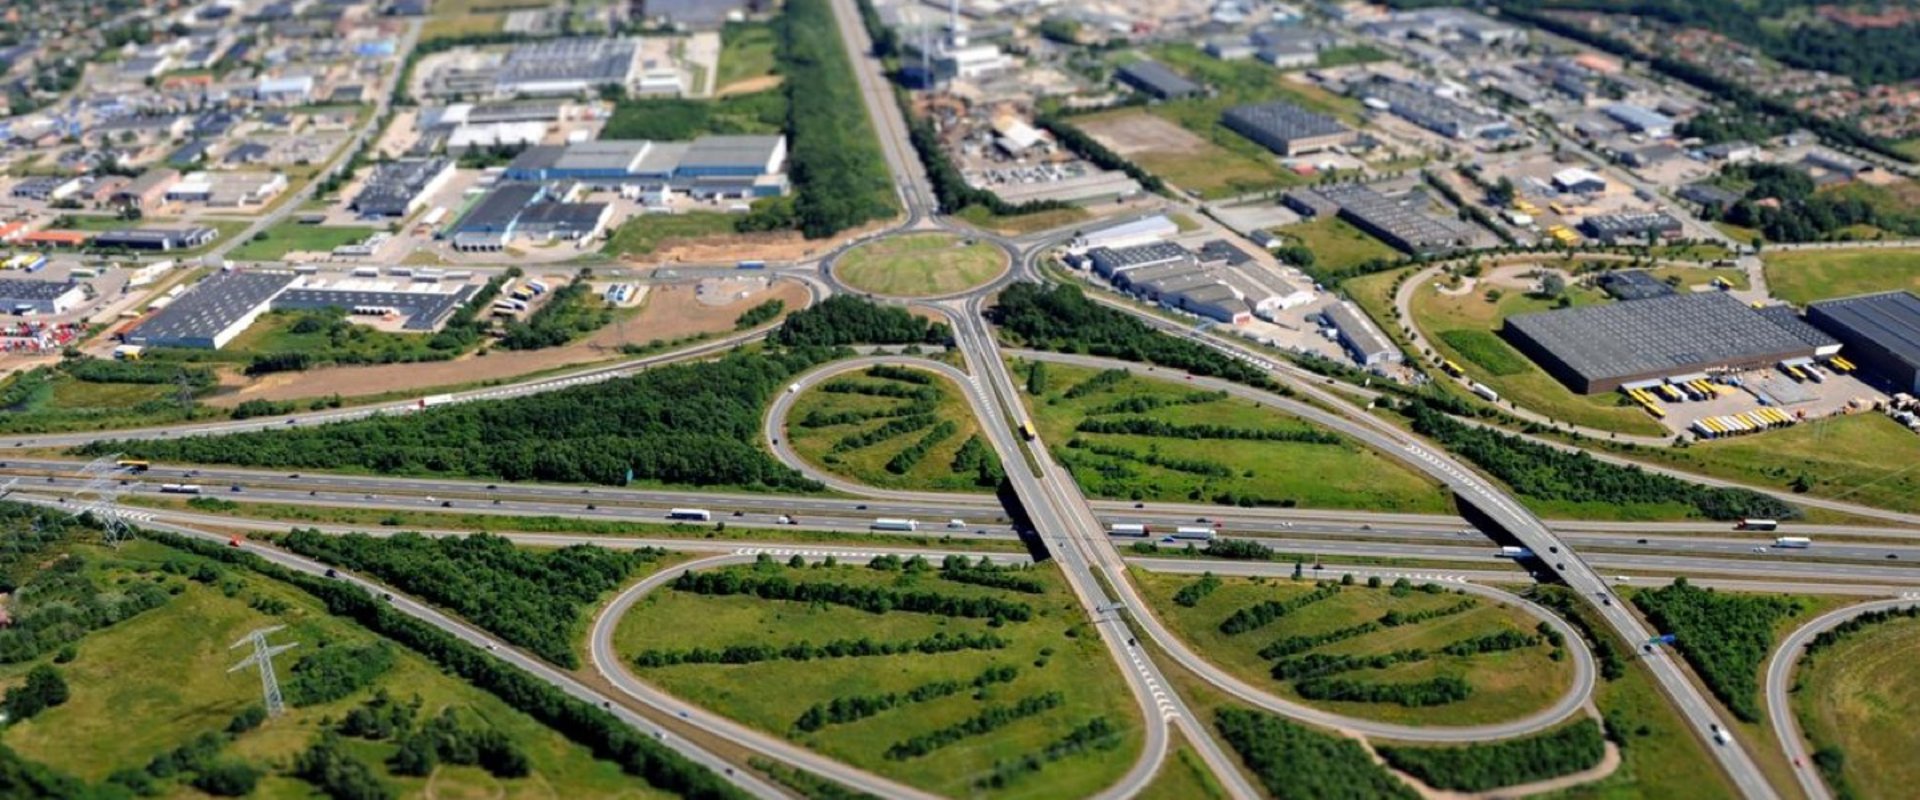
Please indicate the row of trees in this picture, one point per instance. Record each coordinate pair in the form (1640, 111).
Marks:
(1265, 612)
(870, 389)
(1295, 645)
(582, 722)
(1483, 766)
(109, 370)
(815, 418)
(1320, 665)
(977, 458)
(898, 426)
(696, 424)
(1154, 458)
(988, 720)
(759, 315)
(904, 461)
(842, 710)
(846, 320)
(1545, 473)
(1724, 637)
(1147, 426)
(1191, 594)
(1436, 691)
(863, 647)
(1499, 642)
(1101, 381)
(1275, 749)
(1094, 734)
(1395, 617)
(840, 175)
(334, 671)
(872, 599)
(1062, 319)
(1835, 634)
(985, 573)
(1140, 404)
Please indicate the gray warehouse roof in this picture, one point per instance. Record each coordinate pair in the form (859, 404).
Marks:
(1284, 120)
(1155, 77)
(424, 310)
(24, 290)
(1890, 320)
(213, 305)
(1673, 335)
(731, 151)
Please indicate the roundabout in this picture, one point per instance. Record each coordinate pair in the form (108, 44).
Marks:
(920, 265)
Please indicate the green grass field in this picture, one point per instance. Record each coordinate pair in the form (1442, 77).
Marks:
(1337, 245)
(1184, 777)
(1506, 685)
(166, 669)
(1221, 165)
(1307, 474)
(747, 52)
(645, 233)
(330, 339)
(1861, 695)
(1055, 651)
(1020, 224)
(869, 464)
(1448, 319)
(920, 265)
(64, 403)
(1803, 276)
(289, 237)
(1862, 458)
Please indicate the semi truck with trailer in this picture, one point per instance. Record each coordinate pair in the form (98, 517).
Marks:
(890, 524)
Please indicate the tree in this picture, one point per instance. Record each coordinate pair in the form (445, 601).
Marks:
(44, 689)
(1037, 379)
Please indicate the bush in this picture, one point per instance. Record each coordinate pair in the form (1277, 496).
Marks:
(44, 689)
(336, 671)
(1276, 750)
(1481, 767)
(228, 779)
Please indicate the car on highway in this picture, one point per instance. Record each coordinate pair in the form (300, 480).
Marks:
(234, 488)
(446, 504)
(590, 507)
(331, 573)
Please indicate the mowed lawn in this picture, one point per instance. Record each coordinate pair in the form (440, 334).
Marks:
(1055, 651)
(1506, 685)
(290, 237)
(1803, 276)
(1861, 695)
(167, 669)
(1124, 466)
(920, 265)
(1464, 329)
(1337, 245)
(868, 464)
(1862, 458)
(1212, 162)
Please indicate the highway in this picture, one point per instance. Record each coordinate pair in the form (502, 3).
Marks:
(1780, 683)
(1516, 522)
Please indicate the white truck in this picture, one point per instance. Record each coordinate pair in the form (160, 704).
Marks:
(890, 524)
(1793, 542)
(690, 514)
(1126, 529)
(1515, 552)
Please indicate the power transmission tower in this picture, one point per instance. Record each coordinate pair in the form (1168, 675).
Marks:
(100, 497)
(262, 658)
(184, 393)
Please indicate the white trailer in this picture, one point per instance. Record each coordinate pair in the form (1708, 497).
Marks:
(890, 524)
(180, 488)
(1127, 529)
(1198, 532)
(1515, 552)
(1795, 542)
(690, 514)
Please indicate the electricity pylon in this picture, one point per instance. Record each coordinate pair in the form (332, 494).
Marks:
(262, 658)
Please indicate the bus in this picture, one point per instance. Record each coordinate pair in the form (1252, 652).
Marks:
(180, 488)
(1026, 430)
(134, 465)
(690, 514)
(1757, 525)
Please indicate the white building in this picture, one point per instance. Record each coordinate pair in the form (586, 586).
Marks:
(1146, 230)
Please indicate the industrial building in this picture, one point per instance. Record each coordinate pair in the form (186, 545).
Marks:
(1127, 234)
(707, 167)
(1633, 284)
(1880, 332)
(397, 188)
(214, 311)
(1579, 180)
(1595, 349)
(146, 191)
(160, 239)
(526, 210)
(1641, 120)
(1637, 228)
(18, 296)
(1111, 261)
(1362, 339)
(227, 189)
(1154, 78)
(425, 309)
(1287, 129)
(1407, 229)
(567, 66)
(1426, 109)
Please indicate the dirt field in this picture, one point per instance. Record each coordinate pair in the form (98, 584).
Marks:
(1133, 133)
(770, 247)
(671, 312)
(749, 86)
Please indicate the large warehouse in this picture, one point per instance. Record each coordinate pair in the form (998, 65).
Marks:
(1287, 129)
(40, 297)
(1596, 349)
(216, 310)
(1881, 332)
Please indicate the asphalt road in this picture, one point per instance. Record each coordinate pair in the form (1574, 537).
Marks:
(1779, 683)
(1517, 522)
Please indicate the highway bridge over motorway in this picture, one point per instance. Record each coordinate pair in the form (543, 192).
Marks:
(1590, 558)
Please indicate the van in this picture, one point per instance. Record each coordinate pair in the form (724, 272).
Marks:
(956, 524)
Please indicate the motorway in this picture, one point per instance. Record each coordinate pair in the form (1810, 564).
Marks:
(1779, 684)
